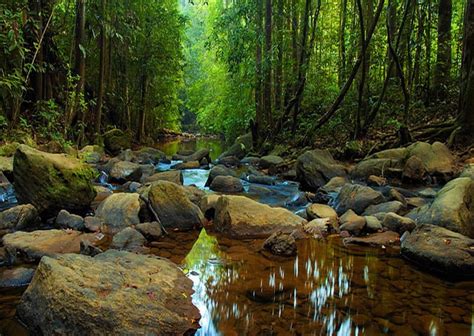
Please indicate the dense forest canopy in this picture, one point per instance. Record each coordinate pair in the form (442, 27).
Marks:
(284, 69)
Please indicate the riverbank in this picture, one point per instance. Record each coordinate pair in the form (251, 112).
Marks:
(345, 239)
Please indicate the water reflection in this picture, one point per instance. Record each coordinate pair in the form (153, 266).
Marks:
(325, 290)
(173, 146)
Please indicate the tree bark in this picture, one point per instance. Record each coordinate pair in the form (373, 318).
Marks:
(258, 72)
(267, 85)
(102, 66)
(443, 61)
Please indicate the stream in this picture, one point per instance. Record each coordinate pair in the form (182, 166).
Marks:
(327, 289)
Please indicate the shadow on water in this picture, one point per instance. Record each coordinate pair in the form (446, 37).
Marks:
(325, 290)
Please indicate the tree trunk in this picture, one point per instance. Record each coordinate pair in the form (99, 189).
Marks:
(466, 101)
(142, 114)
(443, 61)
(102, 66)
(279, 63)
(267, 85)
(258, 72)
(342, 43)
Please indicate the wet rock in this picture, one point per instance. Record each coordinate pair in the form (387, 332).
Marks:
(416, 202)
(128, 239)
(335, 184)
(116, 292)
(315, 168)
(175, 176)
(230, 161)
(322, 211)
(198, 156)
(381, 239)
(436, 157)
(6, 165)
(92, 224)
(414, 169)
(194, 194)
(30, 247)
(374, 166)
(352, 223)
(21, 217)
(373, 224)
(151, 231)
(173, 207)
(52, 182)
(441, 251)
(259, 190)
(208, 205)
(357, 197)
(281, 244)
(261, 179)
(250, 160)
(453, 207)
(427, 193)
(376, 181)
(116, 140)
(131, 186)
(227, 184)
(91, 154)
(89, 249)
(124, 171)
(187, 165)
(395, 195)
(270, 161)
(319, 227)
(392, 206)
(65, 220)
(16, 277)
(397, 223)
(219, 171)
(119, 211)
(241, 147)
(468, 171)
(241, 217)
(148, 155)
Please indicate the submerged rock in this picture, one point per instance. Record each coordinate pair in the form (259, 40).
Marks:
(114, 293)
(21, 217)
(128, 239)
(315, 168)
(441, 251)
(52, 182)
(30, 247)
(357, 197)
(386, 238)
(281, 244)
(16, 277)
(241, 217)
(119, 211)
(173, 207)
(227, 184)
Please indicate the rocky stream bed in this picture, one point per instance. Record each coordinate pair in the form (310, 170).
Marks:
(187, 239)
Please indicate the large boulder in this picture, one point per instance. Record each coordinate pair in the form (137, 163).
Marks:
(317, 167)
(357, 197)
(453, 207)
(198, 156)
(91, 154)
(52, 182)
(227, 184)
(270, 161)
(148, 155)
(119, 211)
(30, 247)
(114, 293)
(441, 251)
(117, 140)
(21, 217)
(173, 207)
(124, 171)
(413, 161)
(241, 147)
(241, 217)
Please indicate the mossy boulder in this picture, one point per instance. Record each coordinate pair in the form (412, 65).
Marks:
(241, 147)
(91, 154)
(9, 149)
(52, 182)
(117, 140)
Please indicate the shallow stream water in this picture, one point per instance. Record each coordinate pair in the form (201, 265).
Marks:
(327, 289)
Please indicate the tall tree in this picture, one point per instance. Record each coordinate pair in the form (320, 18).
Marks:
(466, 101)
(102, 66)
(258, 72)
(443, 61)
(267, 86)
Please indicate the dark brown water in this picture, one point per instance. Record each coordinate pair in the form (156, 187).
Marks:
(327, 290)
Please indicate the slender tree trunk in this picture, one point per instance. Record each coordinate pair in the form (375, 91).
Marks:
(342, 43)
(466, 101)
(443, 61)
(267, 85)
(143, 108)
(279, 62)
(102, 66)
(258, 73)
